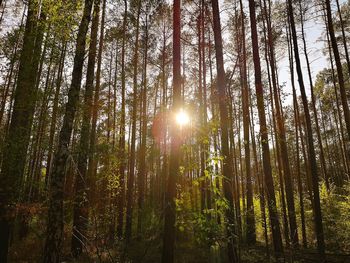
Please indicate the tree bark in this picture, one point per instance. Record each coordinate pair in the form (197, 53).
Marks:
(250, 218)
(121, 192)
(227, 164)
(54, 231)
(275, 226)
(17, 139)
(143, 151)
(312, 155)
(131, 178)
(339, 67)
(170, 216)
(281, 135)
(80, 210)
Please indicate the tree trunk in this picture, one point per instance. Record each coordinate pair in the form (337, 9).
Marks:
(312, 155)
(55, 113)
(281, 135)
(296, 123)
(275, 226)
(130, 188)
(339, 67)
(227, 164)
(93, 158)
(250, 230)
(80, 210)
(143, 151)
(54, 231)
(17, 139)
(121, 192)
(169, 217)
(313, 99)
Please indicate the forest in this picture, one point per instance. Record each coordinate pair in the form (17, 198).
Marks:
(170, 131)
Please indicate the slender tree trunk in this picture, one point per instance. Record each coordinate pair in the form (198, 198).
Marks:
(275, 226)
(341, 22)
(281, 135)
(17, 139)
(54, 231)
(131, 178)
(11, 72)
(260, 182)
(227, 164)
(121, 192)
(55, 113)
(205, 110)
(142, 173)
(313, 99)
(80, 211)
(338, 105)
(339, 67)
(169, 217)
(312, 155)
(93, 158)
(250, 230)
(296, 121)
(3, 6)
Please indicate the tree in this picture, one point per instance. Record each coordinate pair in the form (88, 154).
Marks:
(251, 235)
(121, 192)
(281, 134)
(339, 67)
(80, 212)
(169, 217)
(311, 152)
(129, 199)
(17, 140)
(54, 231)
(227, 165)
(275, 226)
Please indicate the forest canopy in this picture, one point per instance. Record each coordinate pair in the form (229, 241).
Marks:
(174, 131)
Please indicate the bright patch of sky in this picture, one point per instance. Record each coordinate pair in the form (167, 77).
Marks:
(316, 44)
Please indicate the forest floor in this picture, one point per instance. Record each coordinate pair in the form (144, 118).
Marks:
(148, 250)
(29, 250)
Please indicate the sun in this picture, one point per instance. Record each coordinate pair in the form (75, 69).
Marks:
(182, 118)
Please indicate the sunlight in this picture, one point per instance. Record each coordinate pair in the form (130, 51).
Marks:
(182, 118)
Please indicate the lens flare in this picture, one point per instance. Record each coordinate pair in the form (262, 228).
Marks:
(182, 118)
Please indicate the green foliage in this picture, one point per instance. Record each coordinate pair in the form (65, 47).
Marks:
(202, 226)
(336, 217)
(62, 16)
(207, 232)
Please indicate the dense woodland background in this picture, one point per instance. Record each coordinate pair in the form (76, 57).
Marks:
(97, 165)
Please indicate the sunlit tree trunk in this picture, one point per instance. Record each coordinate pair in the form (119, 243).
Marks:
(313, 99)
(260, 181)
(250, 229)
(296, 123)
(281, 133)
(310, 142)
